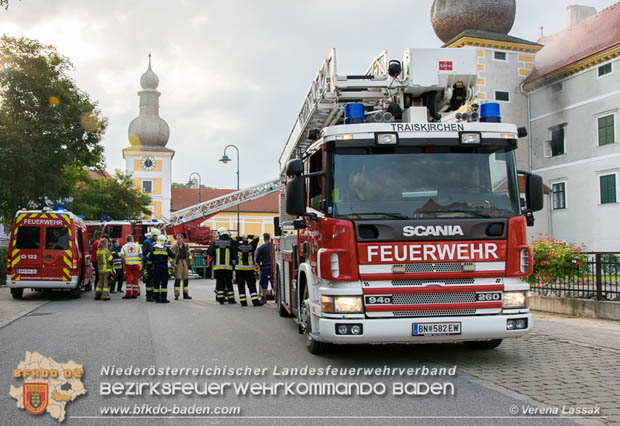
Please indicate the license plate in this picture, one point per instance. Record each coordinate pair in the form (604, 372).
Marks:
(436, 328)
(26, 271)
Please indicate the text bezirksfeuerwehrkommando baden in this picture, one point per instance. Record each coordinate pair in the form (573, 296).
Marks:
(305, 371)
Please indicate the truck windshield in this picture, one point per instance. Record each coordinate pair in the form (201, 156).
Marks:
(424, 182)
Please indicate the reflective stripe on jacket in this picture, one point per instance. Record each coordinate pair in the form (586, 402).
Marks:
(104, 257)
(246, 255)
(223, 250)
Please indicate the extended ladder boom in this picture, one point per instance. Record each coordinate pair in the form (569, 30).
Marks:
(211, 207)
(439, 79)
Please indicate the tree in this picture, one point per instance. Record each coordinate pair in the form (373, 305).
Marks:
(50, 130)
(116, 197)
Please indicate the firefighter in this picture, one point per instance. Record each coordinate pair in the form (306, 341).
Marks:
(223, 251)
(147, 271)
(181, 265)
(131, 253)
(116, 278)
(104, 259)
(244, 270)
(159, 256)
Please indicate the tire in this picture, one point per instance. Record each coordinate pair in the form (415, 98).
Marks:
(312, 345)
(281, 309)
(483, 344)
(17, 293)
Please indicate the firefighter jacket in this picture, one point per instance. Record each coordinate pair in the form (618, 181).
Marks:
(224, 251)
(159, 256)
(245, 255)
(117, 262)
(181, 252)
(104, 260)
(132, 253)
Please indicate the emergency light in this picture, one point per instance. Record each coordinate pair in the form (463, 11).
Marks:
(353, 113)
(489, 113)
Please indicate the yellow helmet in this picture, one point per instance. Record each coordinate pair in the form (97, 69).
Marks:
(155, 232)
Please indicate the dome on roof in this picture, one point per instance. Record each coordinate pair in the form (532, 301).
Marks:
(149, 129)
(149, 79)
(451, 17)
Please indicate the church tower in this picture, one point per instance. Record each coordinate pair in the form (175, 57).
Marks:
(148, 158)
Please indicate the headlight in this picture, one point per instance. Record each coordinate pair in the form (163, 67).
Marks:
(470, 138)
(515, 299)
(342, 304)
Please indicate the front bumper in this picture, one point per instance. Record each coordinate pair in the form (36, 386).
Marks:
(69, 285)
(399, 330)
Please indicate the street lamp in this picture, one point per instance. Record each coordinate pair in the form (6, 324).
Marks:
(191, 182)
(225, 159)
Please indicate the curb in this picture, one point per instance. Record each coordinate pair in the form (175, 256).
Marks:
(4, 323)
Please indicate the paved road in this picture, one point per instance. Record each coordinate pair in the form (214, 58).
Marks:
(541, 370)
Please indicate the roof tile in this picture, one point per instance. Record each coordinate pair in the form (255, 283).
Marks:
(580, 41)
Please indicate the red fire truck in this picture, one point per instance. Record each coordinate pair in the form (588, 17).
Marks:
(403, 200)
(48, 249)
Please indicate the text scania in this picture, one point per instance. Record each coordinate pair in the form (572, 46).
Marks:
(435, 231)
(428, 252)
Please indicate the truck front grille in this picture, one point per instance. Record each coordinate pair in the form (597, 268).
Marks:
(437, 313)
(463, 281)
(433, 267)
(433, 298)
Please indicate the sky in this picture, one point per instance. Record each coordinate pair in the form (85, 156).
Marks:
(233, 72)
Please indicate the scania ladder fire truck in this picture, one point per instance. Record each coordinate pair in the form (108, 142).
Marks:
(403, 199)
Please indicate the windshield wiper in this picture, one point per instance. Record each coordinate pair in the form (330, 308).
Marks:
(476, 214)
(392, 215)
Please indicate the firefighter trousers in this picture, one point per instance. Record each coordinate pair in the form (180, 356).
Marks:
(247, 278)
(103, 286)
(223, 286)
(160, 283)
(148, 281)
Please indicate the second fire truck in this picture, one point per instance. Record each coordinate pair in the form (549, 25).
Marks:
(404, 209)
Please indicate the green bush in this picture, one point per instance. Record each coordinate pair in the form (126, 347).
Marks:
(3, 254)
(555, 259)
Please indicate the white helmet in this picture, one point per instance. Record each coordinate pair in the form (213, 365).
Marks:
(147, 235)
(155, 232)
(222, 231)
(161, 239)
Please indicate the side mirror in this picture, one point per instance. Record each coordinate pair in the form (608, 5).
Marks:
(277, 231)
(294, 167)
(534, 192)
(296, 196)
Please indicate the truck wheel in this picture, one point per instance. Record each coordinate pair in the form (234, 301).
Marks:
(483, 344)
(76, 293)
(17, 293)
(281, 309)
(312, 345)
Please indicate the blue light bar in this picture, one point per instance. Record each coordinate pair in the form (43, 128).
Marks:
(353, 113)
(489, 113)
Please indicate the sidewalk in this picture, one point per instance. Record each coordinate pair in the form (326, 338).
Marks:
(11, 309)
(592, 332)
